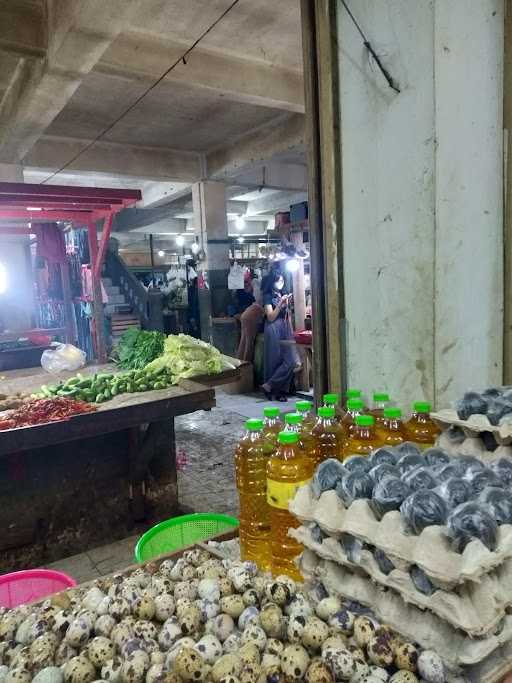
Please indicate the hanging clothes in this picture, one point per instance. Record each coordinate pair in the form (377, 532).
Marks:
(50, 243)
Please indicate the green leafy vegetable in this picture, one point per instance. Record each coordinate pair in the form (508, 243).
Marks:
(137, 348)
(188, 357)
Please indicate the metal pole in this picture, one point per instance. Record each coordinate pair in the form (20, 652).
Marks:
(152, 257)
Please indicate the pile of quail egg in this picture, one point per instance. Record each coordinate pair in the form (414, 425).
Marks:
(199, 618)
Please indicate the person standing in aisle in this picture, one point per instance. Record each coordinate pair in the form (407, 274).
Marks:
(281, 360)
(251, 319)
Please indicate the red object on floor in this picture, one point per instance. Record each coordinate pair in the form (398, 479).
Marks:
(304, 337)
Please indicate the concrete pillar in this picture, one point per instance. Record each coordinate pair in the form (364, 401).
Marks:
(209, 203)
(422, 184)
(11, 173)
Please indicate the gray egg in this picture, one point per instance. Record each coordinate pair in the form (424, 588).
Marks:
(327, 607)
(431, 668)
(250, 615)
(209, 589)
(255, 634)
(232, 643)
(223, 626)
(164, 607)
(111, 670)
(50, 674)
(210, 648)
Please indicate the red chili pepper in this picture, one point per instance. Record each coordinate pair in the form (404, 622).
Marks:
(39, 411)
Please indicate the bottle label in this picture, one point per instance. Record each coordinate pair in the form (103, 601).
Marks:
(279, 493)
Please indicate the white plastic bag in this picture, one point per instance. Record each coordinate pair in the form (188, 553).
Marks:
(236, 277)
(63, 357)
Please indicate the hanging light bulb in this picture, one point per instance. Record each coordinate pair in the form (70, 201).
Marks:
(161, 253)
(292, 265)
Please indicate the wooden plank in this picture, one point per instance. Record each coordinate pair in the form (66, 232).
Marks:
(99, 314)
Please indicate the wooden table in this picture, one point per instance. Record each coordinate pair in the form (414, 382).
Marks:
(114, 466)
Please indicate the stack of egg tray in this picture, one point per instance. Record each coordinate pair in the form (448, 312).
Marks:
(465, 620)
(473, 436)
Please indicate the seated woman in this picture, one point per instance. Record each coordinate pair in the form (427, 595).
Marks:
(281, 360)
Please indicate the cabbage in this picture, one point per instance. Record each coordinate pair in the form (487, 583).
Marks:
(188, 357)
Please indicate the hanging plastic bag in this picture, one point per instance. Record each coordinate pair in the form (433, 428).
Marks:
(63, 357)
(236, 276)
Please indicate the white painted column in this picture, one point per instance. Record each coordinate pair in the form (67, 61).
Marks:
(422, 185)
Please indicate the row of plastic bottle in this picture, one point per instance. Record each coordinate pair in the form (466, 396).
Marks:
(273, 459)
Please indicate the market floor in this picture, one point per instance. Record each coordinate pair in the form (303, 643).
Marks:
(205, 443)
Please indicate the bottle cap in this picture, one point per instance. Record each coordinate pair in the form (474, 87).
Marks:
(293, 418)
(326, 411)
(421, 407)
(331, 399)
(254, 425)
(303, 406)
(288, 437)
(365, 420)
(355, 404)
(353, 393)
(380, 398)
(270, 411)
(392, 413)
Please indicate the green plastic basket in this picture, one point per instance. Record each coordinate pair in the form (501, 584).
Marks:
(178, 532)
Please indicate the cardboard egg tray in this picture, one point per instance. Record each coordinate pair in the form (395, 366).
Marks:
(454, 647)
(476, 609)
(475, 425)
(431, 550)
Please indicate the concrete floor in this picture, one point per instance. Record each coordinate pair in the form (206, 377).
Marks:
(205, 444)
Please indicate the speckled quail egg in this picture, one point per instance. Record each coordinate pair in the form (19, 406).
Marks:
(271, 620)
(19, 676)
(100, 650)
(143, 608)
(295, 628)
(61, 621)
(223, 626)
(104, 606)
(356, 652)
(111, 670)
(64, 653)
(119, 608)
(79, 670)
(250, 615)
(146, 630)
(103, 625)
(406, 656)
(50, 674)
(251, 598)
(42, 650)
(271, 661)
(185, 589)
(319, 672)
(78, 633)
(342, 621)
(157, 657)
(232, 605)
(178, 646)
(11, 652)
(92, 598)
(334, 642)
(134, 667)
(363, 630)
(430, 666)
(162, 584)
(210, 648)
(299, 605)
(182, 605)
(209, 610)
(278, 592)
(379, 672)
(328, 607)
(315, 632)
(166, 567)
(240, 578)
(200, 557)
(8, 626)
(209, 589)
(249, 654)
(140, 577)
(274, 646)
(22, 658)
(229, 679)
(341, 663)
(174, 572)
(255, 634)
(132, 645)
(251, 673)
(3, 672)
(294, 662)
(232, 643)
(156, 674)
(225, 586)
(39, 627)
(403, 677)
(188, 573)
(190, 620)
(120, 634)
(361, 671)
(227, 665)
(379, 650)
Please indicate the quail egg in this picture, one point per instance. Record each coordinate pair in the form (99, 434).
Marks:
(223, 625)
(232, 643)
(188, 573)
(119, 608)
(406, 656)
(229, 679)
(227, 665)
(144, 608)
(79, 670)
(190, 620)
(210, 648)
(295, 628)
(19, 676)
(315, 632)
(145, 630)
(403, 677)
(51, 674)
(178, 646)
(342, 621)
(250, 615)
(319, 672)
(271, 661)
(274, 646)
(134, 667)
(164, 607)
(64, 653)
(340, 661)
(232, 605)
(225, 586)
(100, 650)
(363, 630)
(334, 642)
(271, 620)
(251, 598)
(294, 662)
(250, 673)
(120, 634)
(8, 626)
(209, 610)
(327, 607)
(430, 666)
(360, 672)
(169, 633)
(379, 650)
(278, 592)
(249, 654)
(255, 634)
(209, 589)
(182, 605)
(379, 672)
(78, 633)
(184, 589)
(156, 674)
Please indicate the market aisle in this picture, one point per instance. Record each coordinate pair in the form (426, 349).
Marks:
(205, 444)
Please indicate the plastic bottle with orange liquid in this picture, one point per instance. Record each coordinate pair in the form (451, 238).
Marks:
(251, 462)
(327, 437)
(354, 393)
(333, 401)
(380, 402)
(363, 439)
(272, 425)
(355, 407)
(391, 429)
(287, 470)
(305, 410)
(420, 428)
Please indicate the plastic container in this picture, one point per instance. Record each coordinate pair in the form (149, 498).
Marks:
(333, 401)
(391, 429)
(305, 408)
(251, 481)
(293, 422)
(178, 532)
(287, 471)
(363, 439)
(354, 393)
(355, 407)
(20, 588)
(327, 437)
(420, 428)
(272, 425)
(380, 402)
